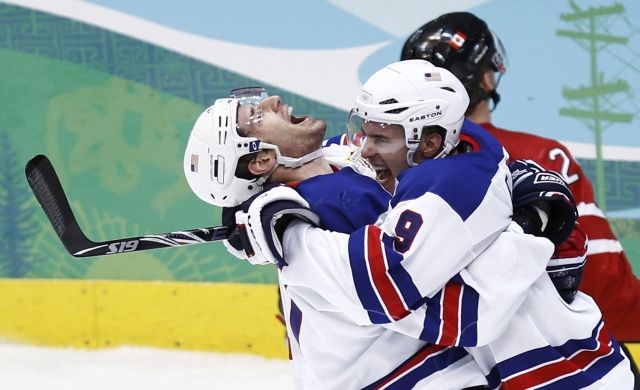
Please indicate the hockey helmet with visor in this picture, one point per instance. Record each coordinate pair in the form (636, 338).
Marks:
(415, 95)
(216, 146)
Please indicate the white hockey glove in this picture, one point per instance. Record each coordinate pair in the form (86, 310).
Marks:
(262, 220)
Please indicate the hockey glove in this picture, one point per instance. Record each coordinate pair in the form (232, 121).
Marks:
(542, 203)
(263, 218)
(233, 243)
(567, 264)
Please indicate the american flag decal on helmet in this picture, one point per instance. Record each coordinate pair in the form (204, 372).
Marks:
(435, 76)
(194, 163)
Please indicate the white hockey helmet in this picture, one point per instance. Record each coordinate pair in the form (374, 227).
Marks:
(214, 148)
(413, 94)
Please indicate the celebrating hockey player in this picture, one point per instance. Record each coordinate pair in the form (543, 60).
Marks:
(404, 276)
(463, 43)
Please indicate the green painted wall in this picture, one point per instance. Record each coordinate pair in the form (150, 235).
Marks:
(113, 114)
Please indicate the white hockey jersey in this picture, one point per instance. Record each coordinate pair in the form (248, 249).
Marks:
(334, 344)
(550, 344)
(391, 305)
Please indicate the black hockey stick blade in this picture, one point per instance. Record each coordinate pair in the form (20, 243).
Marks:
(47, 189)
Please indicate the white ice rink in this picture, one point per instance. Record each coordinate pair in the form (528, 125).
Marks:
(26, 368)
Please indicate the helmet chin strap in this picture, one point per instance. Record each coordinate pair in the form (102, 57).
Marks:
(495, 98)
(443, 153)
(494, 95)
(291, 162)
(410, 155)
(287, 162)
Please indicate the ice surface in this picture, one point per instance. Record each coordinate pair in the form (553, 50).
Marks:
(28, 367)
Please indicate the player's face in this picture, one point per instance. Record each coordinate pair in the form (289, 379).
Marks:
(385, 149)
(272, 122)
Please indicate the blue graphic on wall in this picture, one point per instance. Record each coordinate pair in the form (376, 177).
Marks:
(541, 63)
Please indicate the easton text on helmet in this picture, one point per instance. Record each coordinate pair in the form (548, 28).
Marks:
(426, 116)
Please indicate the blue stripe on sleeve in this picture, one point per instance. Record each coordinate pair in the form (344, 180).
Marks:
(583, 377)
(295, 319)
(431, 366)
(403, 280)
(469, 317)
(432, 320)
(591, 375)
(360, 274)
(572, 346)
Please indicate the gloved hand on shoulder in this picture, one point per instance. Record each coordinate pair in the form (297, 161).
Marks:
(261, 221)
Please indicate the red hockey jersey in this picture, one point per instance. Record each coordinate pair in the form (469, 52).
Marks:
(608, 276)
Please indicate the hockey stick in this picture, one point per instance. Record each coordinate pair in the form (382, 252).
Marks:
(47, 189)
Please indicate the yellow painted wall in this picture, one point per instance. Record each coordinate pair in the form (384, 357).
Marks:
(93, 314)
(634, 349)
(220, 317)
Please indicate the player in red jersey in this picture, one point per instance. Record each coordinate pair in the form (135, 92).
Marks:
(608, 276)
(463, 43)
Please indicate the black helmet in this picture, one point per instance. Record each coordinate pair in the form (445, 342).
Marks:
(462, 43)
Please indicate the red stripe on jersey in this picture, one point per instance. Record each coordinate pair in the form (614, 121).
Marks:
(596, 227)
(380, 277)
(416, 360)
(450, 314)
(585, 358)
(561, 368)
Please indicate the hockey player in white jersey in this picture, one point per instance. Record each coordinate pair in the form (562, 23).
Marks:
(333, 342)
(358, 307)
(389, 276)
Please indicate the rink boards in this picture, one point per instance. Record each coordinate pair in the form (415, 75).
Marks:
(224, 317)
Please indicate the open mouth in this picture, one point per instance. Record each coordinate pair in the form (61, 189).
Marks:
(296, 120)
(383, 175)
